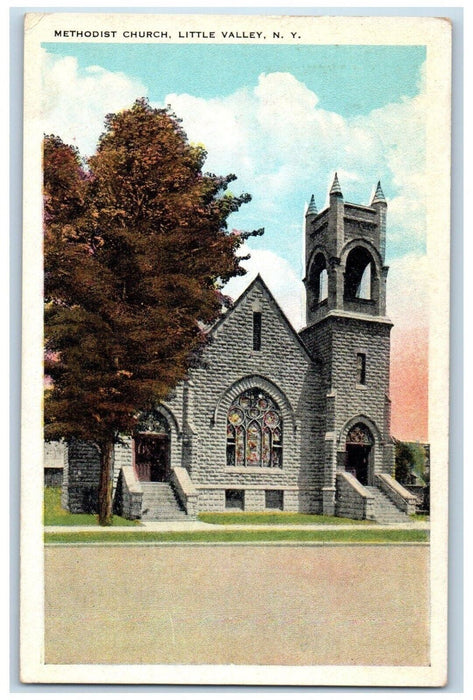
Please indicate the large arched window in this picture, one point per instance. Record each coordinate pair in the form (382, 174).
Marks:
(254, 431)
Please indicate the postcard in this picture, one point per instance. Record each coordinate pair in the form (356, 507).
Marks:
(235, 349)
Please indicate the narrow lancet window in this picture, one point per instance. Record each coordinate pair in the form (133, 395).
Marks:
(361, 368)
(256, 330)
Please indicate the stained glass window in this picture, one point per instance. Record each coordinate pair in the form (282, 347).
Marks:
(359, 435)
(254, 431)
(153, 422)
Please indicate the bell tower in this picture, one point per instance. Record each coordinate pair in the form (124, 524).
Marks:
(348, 334)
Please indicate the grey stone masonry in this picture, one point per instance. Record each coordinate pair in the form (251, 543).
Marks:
(353, 500)
(348, 333)
(283, 369)
(386, 512)
(81, 478)
(336, 341)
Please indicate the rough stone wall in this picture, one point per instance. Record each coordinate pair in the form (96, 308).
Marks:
(350, 502)
(53, 462)
(282, 363)
(211, 500)
(123, 457)
(65, 481)
(294, 500)
(52, 476)
(81, 478)
(336, 341)
(54, 454)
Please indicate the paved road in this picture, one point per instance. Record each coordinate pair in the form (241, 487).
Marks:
(241, 605)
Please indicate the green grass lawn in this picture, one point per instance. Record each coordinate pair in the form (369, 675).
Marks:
(249, 536)
(276, 518)
(54, 514)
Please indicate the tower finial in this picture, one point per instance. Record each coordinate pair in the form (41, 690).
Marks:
(379, 194)
(312, 208)
(336, 190)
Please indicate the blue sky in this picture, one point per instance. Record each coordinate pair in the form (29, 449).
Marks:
(283, 119)
(349, 80)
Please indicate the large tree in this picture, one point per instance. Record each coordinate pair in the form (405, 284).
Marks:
(137, 250)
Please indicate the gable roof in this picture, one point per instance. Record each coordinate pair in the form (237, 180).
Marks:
(258, 280)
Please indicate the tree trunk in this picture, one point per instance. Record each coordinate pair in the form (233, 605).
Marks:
(106, 483)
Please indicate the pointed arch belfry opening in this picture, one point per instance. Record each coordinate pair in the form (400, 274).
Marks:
(318, 280)
(360, 275)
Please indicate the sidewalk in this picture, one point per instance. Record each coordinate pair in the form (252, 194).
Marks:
(196, 525)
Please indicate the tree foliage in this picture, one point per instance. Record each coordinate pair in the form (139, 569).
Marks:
(137, 250)
(410, 459)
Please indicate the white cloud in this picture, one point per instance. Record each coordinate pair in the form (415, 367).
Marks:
(280, 143)
(74, 103)
(407, 292)
(279, 276)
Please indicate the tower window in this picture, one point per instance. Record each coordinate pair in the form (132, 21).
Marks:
(257, 330)
(361, 368)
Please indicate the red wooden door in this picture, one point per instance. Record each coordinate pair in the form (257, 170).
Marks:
(152, 457)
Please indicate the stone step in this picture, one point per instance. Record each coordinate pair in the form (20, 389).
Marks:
(385, 511)
(160, 503)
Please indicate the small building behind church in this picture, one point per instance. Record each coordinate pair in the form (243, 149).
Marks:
(273, 419)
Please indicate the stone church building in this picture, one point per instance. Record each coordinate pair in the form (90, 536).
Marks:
(274, 419)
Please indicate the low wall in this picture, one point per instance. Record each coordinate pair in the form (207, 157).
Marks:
(401, 497)
(81, 478)
(129, 497)
(184, 489)
(352, 500)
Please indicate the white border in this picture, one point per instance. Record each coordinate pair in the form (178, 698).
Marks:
(328, 29)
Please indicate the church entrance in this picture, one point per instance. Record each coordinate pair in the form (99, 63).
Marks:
(153, 448)
(152, 457)
(358, 453)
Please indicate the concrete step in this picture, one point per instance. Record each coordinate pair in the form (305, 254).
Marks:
(385, 511)
(160, 503)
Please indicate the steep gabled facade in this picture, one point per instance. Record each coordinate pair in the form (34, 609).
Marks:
(273, 419)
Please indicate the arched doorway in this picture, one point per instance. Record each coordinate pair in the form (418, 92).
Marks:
(152, 448)
(358, 453)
